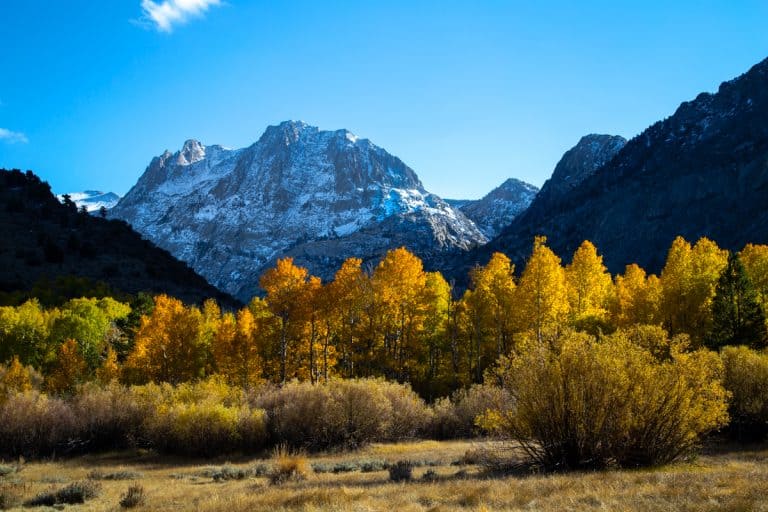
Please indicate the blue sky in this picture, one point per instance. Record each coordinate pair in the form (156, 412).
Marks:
(466, 93)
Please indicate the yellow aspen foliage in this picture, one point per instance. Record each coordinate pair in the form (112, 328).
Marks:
(398, 285)
(589, 284)
(349, 298)
(70, 368)
(284, 285)
(490, 306)
(432, 369)
(15, 378)
(109, 369)
(313, 328)
(637, 298)
(236, 351)
(755, 261)
(542, 294)
(688, 282)
(170, 345)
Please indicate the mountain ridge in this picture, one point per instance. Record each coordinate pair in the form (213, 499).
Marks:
(703, 171)
(231, 213)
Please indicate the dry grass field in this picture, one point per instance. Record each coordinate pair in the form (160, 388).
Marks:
(720, 479)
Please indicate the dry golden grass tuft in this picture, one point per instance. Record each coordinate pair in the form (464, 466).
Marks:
(725, 479)
(289, 466)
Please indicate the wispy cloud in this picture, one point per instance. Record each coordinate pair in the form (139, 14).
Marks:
(12, 137)
(167, 13)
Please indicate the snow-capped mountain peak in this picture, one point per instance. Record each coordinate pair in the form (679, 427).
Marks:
(327, 194)
(500, 206)
(191, 152)
(93, 200)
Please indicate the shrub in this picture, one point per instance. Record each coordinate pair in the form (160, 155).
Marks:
(401, 471)
(133, 497)
(430, 476)
(78, 492)
(116, 475)
(410, 416)
(746, 378)
(371, 466)
(227, 472)
(456, 417)
(341, 413)
(289, 466)
(108, 417)
(365, 412)
(33, 424)
(583, 402)
(205, 418)
(44, 499)
(301, 415)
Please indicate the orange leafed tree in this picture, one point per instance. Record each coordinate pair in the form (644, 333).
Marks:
(170, 345)
(236, 350)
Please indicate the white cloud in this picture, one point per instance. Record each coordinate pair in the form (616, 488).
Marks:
(12, 137)
(167, 13)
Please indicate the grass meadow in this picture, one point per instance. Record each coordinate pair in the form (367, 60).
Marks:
(446, 476)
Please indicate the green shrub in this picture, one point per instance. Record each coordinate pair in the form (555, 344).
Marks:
(584, 403)
(201, 419)
(746, 378)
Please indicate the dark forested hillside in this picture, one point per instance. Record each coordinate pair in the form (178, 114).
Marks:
(59, 250)
(701, 172)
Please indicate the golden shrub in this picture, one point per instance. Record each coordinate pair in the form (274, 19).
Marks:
(746, 378)
(584, 402)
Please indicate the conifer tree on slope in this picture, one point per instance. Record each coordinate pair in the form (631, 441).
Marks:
(738, 318)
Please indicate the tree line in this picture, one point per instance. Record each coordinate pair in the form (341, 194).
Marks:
(397, 321)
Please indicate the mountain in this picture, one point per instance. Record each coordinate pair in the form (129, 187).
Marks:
(701, 172)
(577, 164)
(93, 200)
(47, 244)
(320, 196)
(497, 208)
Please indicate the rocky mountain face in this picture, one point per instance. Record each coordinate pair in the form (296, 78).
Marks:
(51, 250)
(93, 200)
(499, 207)
(701, 172)
(577, 164)
(320, 196)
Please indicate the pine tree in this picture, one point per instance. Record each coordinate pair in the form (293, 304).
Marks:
(738, 318)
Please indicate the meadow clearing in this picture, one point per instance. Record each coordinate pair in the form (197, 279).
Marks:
(446, 476)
